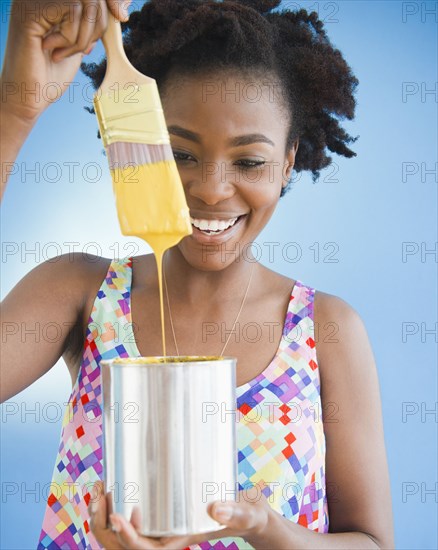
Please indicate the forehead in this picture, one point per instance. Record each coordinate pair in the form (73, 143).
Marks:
(232, 103)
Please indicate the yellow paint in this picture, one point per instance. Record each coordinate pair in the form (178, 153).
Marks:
(150, 198)
(151, 204)
(149, 360)
(131, 113)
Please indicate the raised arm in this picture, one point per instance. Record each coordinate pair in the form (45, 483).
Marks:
(46, 42)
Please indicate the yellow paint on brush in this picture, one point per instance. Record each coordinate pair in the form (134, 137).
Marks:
(151, 205)
(150, 198)
(131, 113)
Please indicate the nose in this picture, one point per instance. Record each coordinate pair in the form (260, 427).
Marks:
(212, 185)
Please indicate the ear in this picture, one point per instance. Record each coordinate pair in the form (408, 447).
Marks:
(290, 162)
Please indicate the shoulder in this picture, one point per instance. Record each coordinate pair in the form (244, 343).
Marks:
(86, 272)
(331, 306)
(342, 345)
(70, 274)
(335, 315)
(273, 283)
(76, 278)
(73, 264)
(76, 270)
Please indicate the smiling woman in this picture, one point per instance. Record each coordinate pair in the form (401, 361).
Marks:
(250, 94)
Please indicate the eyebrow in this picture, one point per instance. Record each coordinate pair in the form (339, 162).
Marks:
(237, 141)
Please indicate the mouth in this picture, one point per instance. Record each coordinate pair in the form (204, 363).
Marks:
(215, 230)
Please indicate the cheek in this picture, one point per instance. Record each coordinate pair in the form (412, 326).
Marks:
(262, 189)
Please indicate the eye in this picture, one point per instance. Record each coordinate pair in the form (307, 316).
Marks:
(245, 164)
(252, 164)
(176, 154)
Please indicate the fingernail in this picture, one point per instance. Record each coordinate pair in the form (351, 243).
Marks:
(114, 523)
(90, 49)
(125, 7)
(93, 507)
(224, 511)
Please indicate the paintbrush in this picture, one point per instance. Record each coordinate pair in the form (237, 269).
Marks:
(149, 194)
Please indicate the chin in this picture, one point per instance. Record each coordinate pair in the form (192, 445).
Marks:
(208, 258)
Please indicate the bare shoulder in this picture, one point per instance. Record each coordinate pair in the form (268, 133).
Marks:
(85, 264)
(70, 266)
(329, 305)
(78, 275)
(69, 275)
(55, 293)
(72, 277)
(343, 349)
(88, 267)
(274, 282)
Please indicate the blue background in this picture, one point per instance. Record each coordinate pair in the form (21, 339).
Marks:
(363, 205)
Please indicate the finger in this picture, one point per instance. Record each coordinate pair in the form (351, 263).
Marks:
(101, 21)
(95, 23)
(245, 515)
(86, 22)
(58, 37)
(98, 517)
(128, 536)
(136, 518)
(119, 8)
(91, 13)
(248, 513)
(97, 504)
(90, 48)
(64, 33)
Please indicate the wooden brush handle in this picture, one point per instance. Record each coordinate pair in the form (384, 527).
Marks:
(119, 70)
(112, 41)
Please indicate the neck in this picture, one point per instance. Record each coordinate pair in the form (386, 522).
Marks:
(197, 287)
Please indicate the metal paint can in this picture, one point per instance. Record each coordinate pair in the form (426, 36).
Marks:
(169, 426)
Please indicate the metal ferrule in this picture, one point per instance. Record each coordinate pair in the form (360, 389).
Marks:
(133, 114)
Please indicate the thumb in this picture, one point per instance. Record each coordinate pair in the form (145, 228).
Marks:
(119, 8)
(245, 515)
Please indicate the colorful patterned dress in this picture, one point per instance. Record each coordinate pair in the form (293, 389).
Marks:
(280, 437)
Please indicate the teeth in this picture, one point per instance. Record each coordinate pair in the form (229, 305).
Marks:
(203, 225)
(213, 225)
(221, 225)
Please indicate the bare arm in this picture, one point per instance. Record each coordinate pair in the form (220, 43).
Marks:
(46, 42)
(13, 133)
(37, 317)
(45, 316)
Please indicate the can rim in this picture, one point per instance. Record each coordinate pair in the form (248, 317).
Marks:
(165, 360)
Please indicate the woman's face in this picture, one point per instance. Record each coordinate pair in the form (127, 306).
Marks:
(228, 137)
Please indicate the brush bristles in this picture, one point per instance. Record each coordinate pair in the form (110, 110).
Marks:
(123, 154)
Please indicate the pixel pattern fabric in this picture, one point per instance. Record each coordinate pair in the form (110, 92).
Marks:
(280, 437)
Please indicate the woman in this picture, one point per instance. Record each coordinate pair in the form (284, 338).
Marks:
(249, 95)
